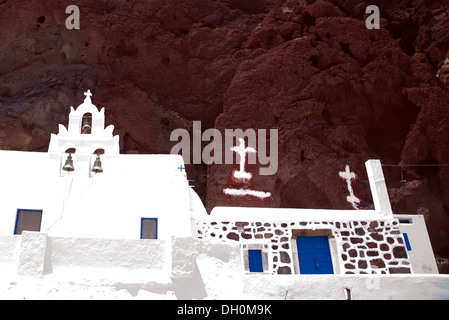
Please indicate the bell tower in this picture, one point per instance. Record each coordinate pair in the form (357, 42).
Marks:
(84, 147)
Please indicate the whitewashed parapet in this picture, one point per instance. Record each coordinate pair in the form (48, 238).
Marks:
(378, 188)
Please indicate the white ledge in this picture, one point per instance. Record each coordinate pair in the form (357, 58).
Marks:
(251, 214)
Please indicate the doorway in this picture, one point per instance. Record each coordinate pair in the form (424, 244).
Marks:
(314, 255)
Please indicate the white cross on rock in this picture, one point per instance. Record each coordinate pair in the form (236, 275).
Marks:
(348, 176)
(241, 174)
(242, 151)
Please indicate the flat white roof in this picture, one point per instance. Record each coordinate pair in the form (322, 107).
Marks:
(251, 214)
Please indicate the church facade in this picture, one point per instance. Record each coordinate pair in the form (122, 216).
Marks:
(83, 187)
(84, 211)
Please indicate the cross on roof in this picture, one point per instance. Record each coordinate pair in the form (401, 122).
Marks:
(88, 94)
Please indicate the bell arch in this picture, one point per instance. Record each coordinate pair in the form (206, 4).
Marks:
(67, 160)
(96, 164)
(99, 151)
(86, 123)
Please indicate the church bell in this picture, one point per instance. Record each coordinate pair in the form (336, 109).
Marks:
(97, 165)
(68, 166)
(86, 128)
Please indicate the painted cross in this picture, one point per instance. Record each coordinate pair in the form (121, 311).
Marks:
(181, 168)
(242, 150)
(348, 176)
(241, 174)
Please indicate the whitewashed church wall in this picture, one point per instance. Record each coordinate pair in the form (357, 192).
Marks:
(421, 254)
(106, 254)
(9, 251)
(109, 205)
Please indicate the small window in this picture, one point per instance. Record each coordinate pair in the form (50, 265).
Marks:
(148, 228)
(28, 220)
(255, 257)
(406, 220)
(255, 260)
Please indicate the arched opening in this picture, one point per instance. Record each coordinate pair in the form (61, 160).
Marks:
(97, 166)
(68, 164)
(86, 123)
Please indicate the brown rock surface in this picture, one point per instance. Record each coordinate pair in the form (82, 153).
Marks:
(338, 93)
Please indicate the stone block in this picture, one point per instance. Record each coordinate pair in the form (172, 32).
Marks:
(285, 257)
(371, 245)
(372, 253)
(399, 270)
(241, 224)
(32, 254)
(284, 270)
(377, 236)
(399, 252)
(246, 235)
(377, 263)
(355, 240)
(362, 264)
(233, 236)
(352, 253)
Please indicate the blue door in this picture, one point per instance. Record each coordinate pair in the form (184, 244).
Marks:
(314, 255)
(255, 260)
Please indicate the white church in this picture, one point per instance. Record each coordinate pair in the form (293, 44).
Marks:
(83, 221)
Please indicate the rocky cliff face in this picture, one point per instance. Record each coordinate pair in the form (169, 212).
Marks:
(337, 92)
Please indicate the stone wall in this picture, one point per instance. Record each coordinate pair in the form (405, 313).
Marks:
(361, 247)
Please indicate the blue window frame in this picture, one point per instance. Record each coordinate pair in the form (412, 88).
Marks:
(407, 242)
(255, 260)
(148, 228)
(28, 220)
